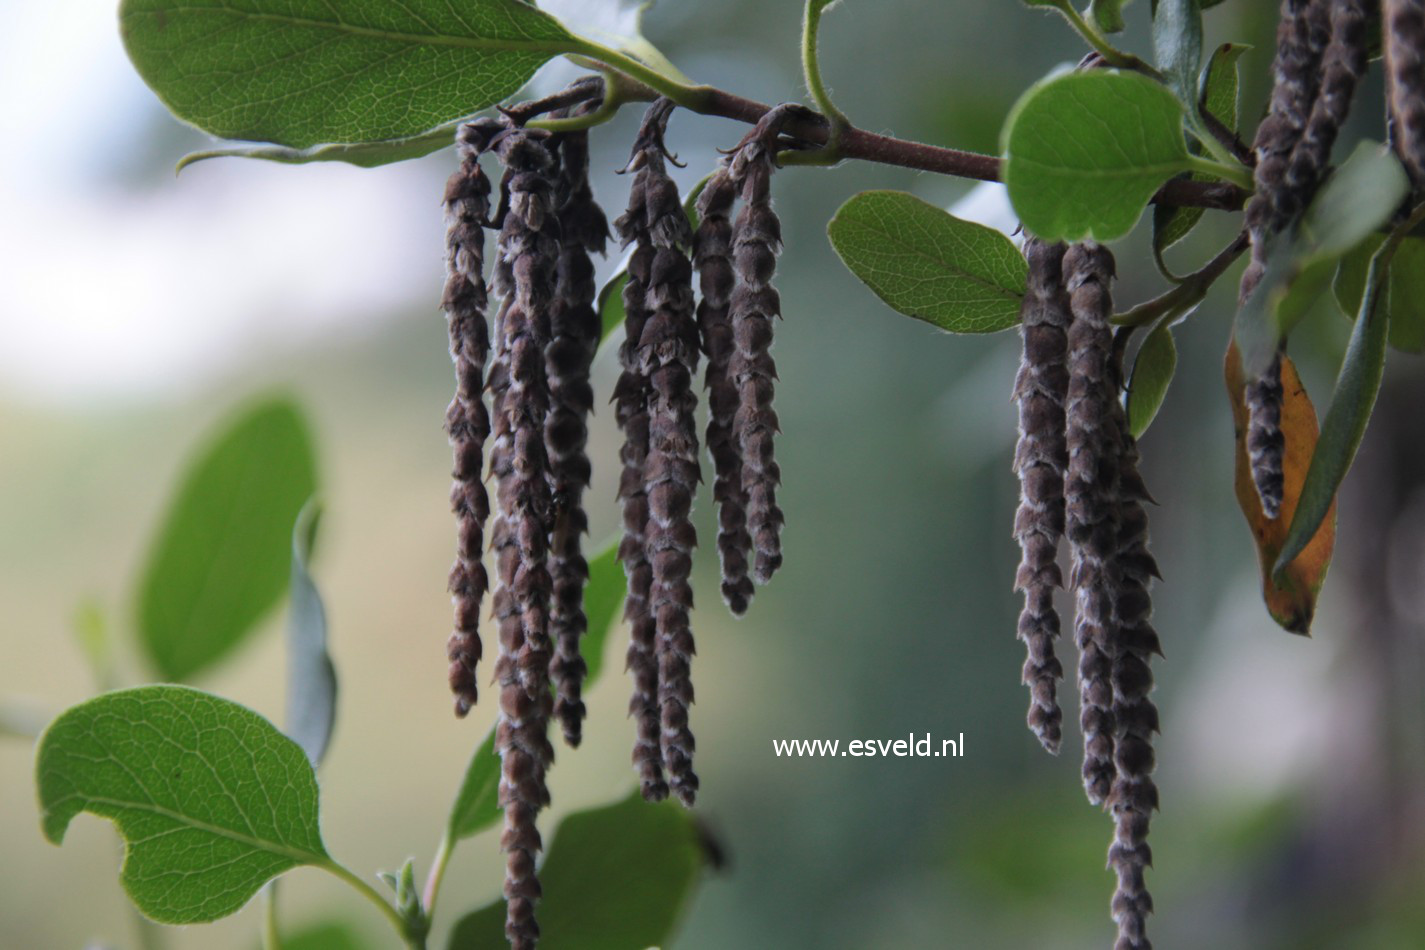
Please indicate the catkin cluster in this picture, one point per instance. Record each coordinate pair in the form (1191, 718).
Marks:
(544, 337)
(1320, 59)
(1078, 470)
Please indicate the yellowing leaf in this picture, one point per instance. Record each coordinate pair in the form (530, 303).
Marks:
(1290, 596)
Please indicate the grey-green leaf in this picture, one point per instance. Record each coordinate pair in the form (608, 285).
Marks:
(1107, 14)
(1152, 372)
(928, 264)
(306, 72)
(1357, 386)
(1403, 296)
(1360, 197)
(1218, 97)
(477, 805)
(211, 799)
(1085, 152)
(1220, 83)
(222, 558)
(362, 154)
(311, 676)
(616, 878)
(1177, 45)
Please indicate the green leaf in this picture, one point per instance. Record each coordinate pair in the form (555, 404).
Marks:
(1361, 196)
(1177, 45)
(477, 805)
(603, 598)
(222, 558)
(1085, 152)
(211, 799)
(1220, 83)
(1218, 97)
(610, 303)
(616, 878)
(1152, 372)
(1403, 296)
(305, 72)
(1107, 15)
(928, 264)
(610, 300)
(361, 154)
(311, 676)
(1357, 386)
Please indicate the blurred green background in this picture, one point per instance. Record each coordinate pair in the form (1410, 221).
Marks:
(138, 309)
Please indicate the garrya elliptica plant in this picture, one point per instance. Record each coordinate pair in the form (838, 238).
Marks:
(1083, 154)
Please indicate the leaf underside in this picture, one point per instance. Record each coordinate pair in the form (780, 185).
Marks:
(928, 264)
(301, 73)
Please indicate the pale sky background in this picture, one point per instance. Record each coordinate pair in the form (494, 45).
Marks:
(111, 289)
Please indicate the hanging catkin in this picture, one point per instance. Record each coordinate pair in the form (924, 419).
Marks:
(667, 358)
(467, 205)
(525, 276)
(1134, 796)
(1040, 460)
(755, 304)
(1090, 487)
(1403, 26)
(574, 337)
(1302, 36)
(712, 253)
(631, 397)
(1343, 62)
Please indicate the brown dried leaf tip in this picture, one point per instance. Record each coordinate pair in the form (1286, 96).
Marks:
(1040, 460)
(574, 338)
(525, 276)
(467, 205)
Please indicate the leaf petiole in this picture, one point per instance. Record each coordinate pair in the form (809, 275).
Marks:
(413, 940)
(1228, 170)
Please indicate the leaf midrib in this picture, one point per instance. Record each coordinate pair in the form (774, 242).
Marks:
(951, 272)
(296, 854)
(416, 39)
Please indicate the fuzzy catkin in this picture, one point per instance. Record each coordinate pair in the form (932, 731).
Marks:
(712, 254)
(467, 205)
(1134, 796)
(1286, 171)
(1040, 461)
(631, 398)
(1090, 488)
(1403, 40)
(755, 305)
(574, 338)
(525, 275)
(668, 355)
(1343, 63)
